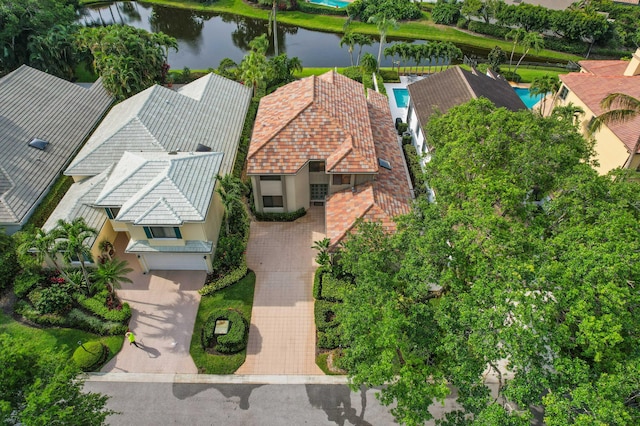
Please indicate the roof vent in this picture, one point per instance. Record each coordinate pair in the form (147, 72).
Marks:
(38, 144)
(173, 152)
(203, 148)
(384, 163)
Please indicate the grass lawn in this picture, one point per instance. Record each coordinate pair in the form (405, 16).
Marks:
(63, 340)
(240, 297)
(321, 361)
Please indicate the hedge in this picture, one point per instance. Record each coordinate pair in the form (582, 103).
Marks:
(90, 355)
(229, 279)
(332, 289)
(245, 138)
(489, 29)
(78, 319)
(235, 340)
(330, 339)
(323, 310)
(317, 283)
(25, 282)
(50, 202)
(321, 10)
(415, 170)
(390, 76)
(96, 305)
(280, 217)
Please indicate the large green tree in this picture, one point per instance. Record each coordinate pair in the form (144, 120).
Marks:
(20, 20)
(254, 68)
(43, 389)
(519, 280)
(128, 59)
(71, 240)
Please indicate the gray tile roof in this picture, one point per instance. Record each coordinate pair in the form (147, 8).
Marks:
(158, 188)
(34, 104)
(77, 202)
(209, 111)
(455, 86)
(190, 246)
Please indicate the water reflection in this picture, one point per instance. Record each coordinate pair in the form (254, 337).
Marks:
(205, 38)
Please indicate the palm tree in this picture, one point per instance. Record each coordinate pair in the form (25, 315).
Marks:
(428, 52)
(392, 51)
(231, 190)
(542, 86)
(349, 39)
(405, 51)
(368, 63)
(38, 244)
(383, 24)
(516, 34)
(418, 54)
(530, 41)
(450, 52)
(323, 257)
(71, 239)
(111, 273)
(627, 109)
(567, 112)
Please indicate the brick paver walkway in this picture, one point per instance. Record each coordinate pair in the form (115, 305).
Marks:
(282, 333)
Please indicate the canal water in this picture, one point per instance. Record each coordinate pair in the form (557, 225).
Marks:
(205, 38)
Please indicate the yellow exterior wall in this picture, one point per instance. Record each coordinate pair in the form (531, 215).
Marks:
(610, 152)
(106, 233)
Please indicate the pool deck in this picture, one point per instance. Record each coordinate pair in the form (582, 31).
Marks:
(404, 81)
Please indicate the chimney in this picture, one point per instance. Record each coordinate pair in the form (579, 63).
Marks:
(634, 65)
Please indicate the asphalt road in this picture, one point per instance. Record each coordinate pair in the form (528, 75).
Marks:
(240, 404)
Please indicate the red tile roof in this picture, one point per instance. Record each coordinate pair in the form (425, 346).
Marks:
(388, 196)
(324, 117)
(601, 79)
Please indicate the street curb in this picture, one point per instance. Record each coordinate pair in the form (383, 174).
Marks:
(217, 379)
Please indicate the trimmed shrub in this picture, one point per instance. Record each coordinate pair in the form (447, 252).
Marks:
(280, 217)
(330, 339)
(30, 313)
(389, 76)
(245, 138)
(90, 356)
(317, 283)
(97, 306)
(235, 340)
(325, 315)
(229, 279)
(53, 300)
(489, 29)
(321, 10)
(446, 13)
(332, 288)
(25, 282)
(9, 266)
(354, 73)
(78, 319)
(415, 171)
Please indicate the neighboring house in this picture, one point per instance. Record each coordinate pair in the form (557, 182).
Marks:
(587, 88)
(323, 141)
(149, 171)
(442, 91)
(43, 122)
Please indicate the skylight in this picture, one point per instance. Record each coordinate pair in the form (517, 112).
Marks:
(384, 163)
(38, 144)
(203, 148)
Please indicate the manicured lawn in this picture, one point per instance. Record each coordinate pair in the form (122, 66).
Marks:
(240, 297)
(63, 340)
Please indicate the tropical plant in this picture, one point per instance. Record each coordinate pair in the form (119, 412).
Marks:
(230, 190)
(56, 51)
(71, 240)
(106, 247)
(515, 35)
(569, 112)
(368, 63)
(530, 41)
(111, 273)
(543, 85)
(254, 68)
(34, 247)
(9, 266)
(383, 24)
(620, 108)
(351, 39)
(323, 258)
(392, 51)
(496, 57)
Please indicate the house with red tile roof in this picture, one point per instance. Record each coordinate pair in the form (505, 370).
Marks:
(587, 88)
(324, 141)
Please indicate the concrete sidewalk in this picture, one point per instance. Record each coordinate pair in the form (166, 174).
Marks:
(282, 334)
(164, 305)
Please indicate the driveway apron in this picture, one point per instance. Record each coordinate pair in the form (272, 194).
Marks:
(282, 333)
(164, 305)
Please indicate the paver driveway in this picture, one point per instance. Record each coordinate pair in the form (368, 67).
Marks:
(282, 334)
(164, 304)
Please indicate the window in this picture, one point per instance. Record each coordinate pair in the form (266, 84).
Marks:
(384, 163)
(112, 212)
(563, 93)
(85, 256)
(319, 191)
(272, 201)
(341, 179)
(162, 232)
(316, 166)
(270, 177)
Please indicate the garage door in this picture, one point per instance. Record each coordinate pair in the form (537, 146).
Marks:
(171, 262)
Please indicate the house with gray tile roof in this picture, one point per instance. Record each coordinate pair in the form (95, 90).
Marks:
(444, 90)
(162, 150)
(36, 105)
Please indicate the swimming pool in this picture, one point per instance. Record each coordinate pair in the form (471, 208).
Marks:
(528, 99)
(402, 97)
(330, 3)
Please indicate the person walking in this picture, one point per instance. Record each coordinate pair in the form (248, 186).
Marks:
(132, 339)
